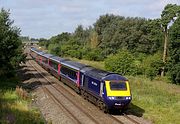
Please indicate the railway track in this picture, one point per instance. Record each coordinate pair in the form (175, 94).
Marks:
(129, 119)
(46, 90)
(61, 90)
(56, 100)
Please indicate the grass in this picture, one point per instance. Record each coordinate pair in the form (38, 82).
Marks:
(95, 64)
(157, 100)
(14, 109)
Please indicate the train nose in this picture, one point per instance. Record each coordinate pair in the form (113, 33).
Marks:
(118, 102)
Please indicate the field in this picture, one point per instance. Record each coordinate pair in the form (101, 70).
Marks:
(154, 100)
(14, 108)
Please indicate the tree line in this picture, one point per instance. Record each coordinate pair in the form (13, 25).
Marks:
(128, 45)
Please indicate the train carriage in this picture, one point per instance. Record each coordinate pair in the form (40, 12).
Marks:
(70, 73)
(34, 53)
(45, 61)
(39, 57)
(55, 66)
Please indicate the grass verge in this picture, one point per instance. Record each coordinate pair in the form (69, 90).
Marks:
(159, 100)
(95, 64)
(14, 109)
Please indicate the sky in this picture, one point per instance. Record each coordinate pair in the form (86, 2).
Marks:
(47, 18)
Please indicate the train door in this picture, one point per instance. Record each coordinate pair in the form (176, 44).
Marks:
(82, 79)
(86, 80)
(101, 88)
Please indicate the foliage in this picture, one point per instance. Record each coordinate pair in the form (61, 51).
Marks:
(10, 44)
(122, 63)
(174, 45)
(155, 100)
(169, 14)
(93, 54)
(140, 37)
(13, 109)
(152, 65)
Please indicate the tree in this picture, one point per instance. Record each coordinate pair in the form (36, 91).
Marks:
(170, 12)
(10, 44)
(174, 52)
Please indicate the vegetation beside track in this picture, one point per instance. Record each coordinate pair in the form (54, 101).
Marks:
(156, 100)
(15, 108)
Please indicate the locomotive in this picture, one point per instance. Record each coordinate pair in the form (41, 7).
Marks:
(105, 89)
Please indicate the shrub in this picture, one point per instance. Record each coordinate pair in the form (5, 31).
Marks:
(152, 65)
(93, 54)
(122, 63)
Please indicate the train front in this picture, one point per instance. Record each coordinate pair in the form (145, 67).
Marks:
(117, 93)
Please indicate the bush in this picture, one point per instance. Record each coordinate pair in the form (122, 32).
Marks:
(152, 65)
(93, 54)
(122, 63)
(75, 54)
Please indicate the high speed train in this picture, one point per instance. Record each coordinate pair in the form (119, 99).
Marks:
(105, 89)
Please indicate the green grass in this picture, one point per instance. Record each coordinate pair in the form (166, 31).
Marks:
(13, 109)
(95, 64)
(157, 100)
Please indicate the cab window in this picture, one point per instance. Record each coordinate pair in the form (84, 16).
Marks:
(118, 86)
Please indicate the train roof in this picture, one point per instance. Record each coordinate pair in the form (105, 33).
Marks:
(114, 76)
(47, 55)
(74, 65)
(58, 59)
(86, 69)
(103, 75)
(35, 50)
(41, 52)
(97, 73)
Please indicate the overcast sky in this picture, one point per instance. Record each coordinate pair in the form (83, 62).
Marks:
(46, 18)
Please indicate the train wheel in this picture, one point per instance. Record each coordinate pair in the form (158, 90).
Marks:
(99, 104)
(104, 108)
(84, 95)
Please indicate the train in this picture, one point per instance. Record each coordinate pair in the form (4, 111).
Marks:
(107, 90)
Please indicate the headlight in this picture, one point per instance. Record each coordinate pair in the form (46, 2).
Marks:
(128, 97)
(111, 98)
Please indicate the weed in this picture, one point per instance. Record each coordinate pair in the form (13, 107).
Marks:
(14, 104)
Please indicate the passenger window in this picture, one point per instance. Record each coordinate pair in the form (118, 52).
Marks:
(68, 72)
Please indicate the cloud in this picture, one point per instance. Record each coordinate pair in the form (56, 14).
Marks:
(45, 18)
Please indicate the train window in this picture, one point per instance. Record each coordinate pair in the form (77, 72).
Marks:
(118, 86)
(44, 60)
(54, 65)
(50, 63)
(68, 72)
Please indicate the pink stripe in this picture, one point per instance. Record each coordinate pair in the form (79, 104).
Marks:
(59, 68)
(78, 79)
